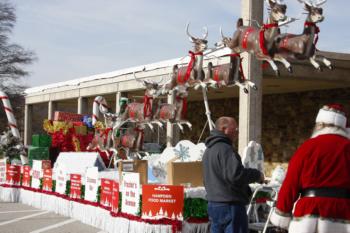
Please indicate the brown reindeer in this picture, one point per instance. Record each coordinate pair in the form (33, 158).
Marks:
(142, 113)
(260, 41)
(303, 46)
(229, 74)
(173, 113)
(193, 73)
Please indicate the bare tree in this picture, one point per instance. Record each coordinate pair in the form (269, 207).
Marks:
(12, 56)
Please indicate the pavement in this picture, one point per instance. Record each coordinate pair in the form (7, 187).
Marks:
(19, 218)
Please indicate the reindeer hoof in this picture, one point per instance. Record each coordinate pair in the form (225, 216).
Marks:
(319, 69)
(245, 90)
(290, 70)
(331, 67)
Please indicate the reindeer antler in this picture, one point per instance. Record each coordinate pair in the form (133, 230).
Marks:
(319, 3)
(188, 33)
(192, 38)
(205, 35)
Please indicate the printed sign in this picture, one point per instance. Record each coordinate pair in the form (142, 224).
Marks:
(91, 184)
(162, 201)
(115, 197)
(61, 180)
(106, 192)
(13, 174)
(26, 176)
(47, 180)
(75, 186)
(36, 173)
(2, 171)
(130, 192)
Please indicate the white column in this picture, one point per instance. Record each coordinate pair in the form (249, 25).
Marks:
(82, 105)
(250, 105)
(28, 116)
(51, 107)
(118, 95)
(170, 127)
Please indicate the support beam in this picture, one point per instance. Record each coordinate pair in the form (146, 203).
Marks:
(82, 105)
(51, 108)
(250, 105)
(118, 97)
(28, 117)
(172, 132)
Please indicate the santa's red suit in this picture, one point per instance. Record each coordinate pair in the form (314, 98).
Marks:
(322, 163)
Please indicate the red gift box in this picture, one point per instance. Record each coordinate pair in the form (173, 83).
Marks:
(67, 116)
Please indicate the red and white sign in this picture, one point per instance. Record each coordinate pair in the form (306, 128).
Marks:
(106, 192)
(162, 201)
(75, 186)
(36, 173)
(130, 192)
(2, 171)
(91, 184)
(13, 174)
(26, 176)
(115, 197)
(47, 180)
(61, 180)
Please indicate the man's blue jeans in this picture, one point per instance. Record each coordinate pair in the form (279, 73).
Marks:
(227, 218)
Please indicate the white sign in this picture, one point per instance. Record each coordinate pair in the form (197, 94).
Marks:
(2, 171)
(91, 184)
(36, 173)
(130, 192)
(61, 180)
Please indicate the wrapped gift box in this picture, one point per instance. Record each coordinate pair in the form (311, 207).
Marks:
(139, 166)
(38, 153)
(67, 116)
(80, 130)
(185, 173)
(41, 140)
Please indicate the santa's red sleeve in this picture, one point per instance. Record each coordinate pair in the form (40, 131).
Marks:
(289, 192)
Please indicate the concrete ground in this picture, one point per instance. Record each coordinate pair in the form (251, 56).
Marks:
(19, 218)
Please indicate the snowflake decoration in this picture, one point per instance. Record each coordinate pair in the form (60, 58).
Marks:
(182, 153)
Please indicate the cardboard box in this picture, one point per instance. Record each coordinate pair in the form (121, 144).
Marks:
(185, 173)
(80, 130)
(139, 166)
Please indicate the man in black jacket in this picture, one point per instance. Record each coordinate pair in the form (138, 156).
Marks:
(226, 180)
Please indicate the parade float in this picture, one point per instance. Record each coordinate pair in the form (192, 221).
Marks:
(95, 167)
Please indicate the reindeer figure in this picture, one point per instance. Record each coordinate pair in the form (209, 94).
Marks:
(260, 41)
(303, 46)
(173, 113)
(142, 113)
(131, 141)
(230, 74)
(193, 73)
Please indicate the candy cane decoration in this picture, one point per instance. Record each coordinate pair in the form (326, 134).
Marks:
(9, 113)
(100, 105)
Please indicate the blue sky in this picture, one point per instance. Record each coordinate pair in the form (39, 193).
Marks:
(79, 38)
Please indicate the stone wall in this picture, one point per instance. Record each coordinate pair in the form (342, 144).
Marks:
(287, 119)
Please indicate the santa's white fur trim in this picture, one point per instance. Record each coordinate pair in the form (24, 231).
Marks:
(331, 117)
(313, 224)
(280, 220)
(331, 130)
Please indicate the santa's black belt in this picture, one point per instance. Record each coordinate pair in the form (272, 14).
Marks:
(325, 192)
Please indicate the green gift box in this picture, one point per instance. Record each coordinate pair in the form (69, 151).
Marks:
(38, 153)
(41, 140)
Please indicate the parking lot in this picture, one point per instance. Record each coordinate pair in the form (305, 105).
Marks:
(19, 218)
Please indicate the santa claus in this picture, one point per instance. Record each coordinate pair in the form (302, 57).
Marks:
(315, 195)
